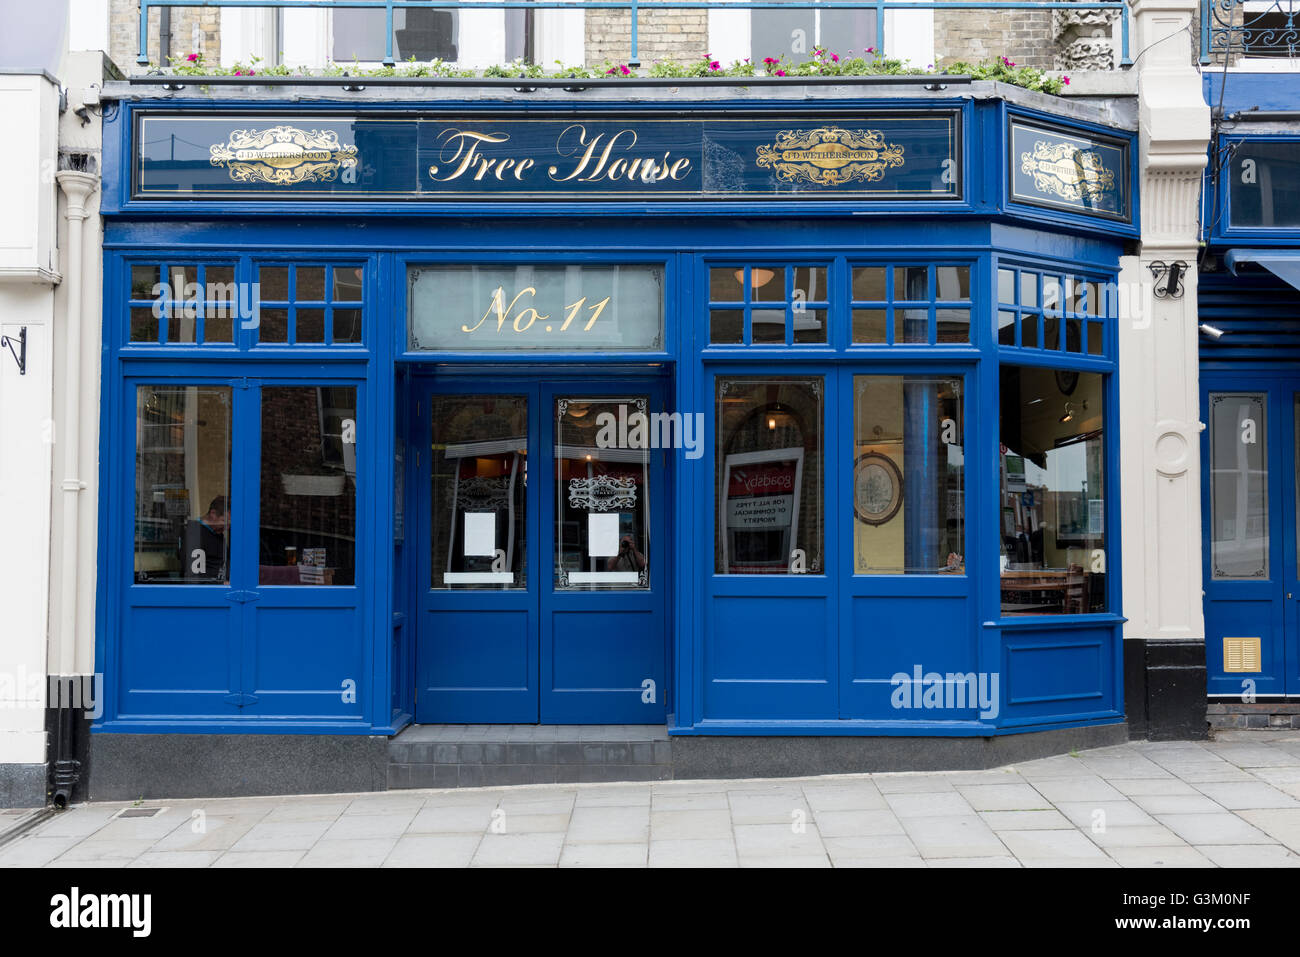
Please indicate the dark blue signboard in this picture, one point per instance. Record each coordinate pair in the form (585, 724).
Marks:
(880, 155)
(1059, 169)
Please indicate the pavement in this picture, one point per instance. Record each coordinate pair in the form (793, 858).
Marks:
(1231, 802)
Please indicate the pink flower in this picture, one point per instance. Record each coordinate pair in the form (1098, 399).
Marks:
(612, 69)
(239, 73)
(835, 58)
(192, 57)
(715, 65)
(769, 61)
(780, 72)
(251, 72)
(626, 71)
(1066, 79)
(870, 50)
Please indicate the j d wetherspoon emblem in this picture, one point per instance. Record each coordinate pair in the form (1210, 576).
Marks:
(830, 156)
(284, 155)
(1064, 170)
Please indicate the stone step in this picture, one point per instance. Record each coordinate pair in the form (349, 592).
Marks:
(449, 756)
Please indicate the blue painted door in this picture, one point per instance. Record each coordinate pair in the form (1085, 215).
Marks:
(1252, 594)
(541, 546)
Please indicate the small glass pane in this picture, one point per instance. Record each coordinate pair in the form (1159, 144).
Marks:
(1052, 491)
(767, 283)
(1052, 332)
(479, 495)
(911, 283)
(273, 324)
(769, 475)
(310, 284)
(602, 493)
(908, 448)
(309, 325)
(144, 324)
(726, 284)
(869, 284)
(1093, 293)
(218, 280)
(182, 485)
(1239, 485)
(1029, 289)
(144, 279)
(1096, 337)
(868, 325)
(952, 282)
(182, 323)
(1006, 287)
(273, 283)
(809, 325)
(1006, 328)
(727, 326)
(349, 282)
(952, 325)
(183, 280)
(912, 325)
(1051, 294)
(218, 327)
(810, 284)
(347, 325)
(767, 325)
(1029, 331)
(1074, 335)
(308, 490)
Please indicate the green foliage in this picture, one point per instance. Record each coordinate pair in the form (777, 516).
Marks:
(822, 62)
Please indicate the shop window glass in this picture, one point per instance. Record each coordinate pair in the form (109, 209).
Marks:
(308, 488)
(182, 485)
(602, 495)
(869, 325)
(1239, 485)
(908, 481)
(768, 459)
(310, 305)
(727, 326)
(784, 305)
(1052, 491)
(480, 478)
(182, 304)
(418, 34)
(928, 304)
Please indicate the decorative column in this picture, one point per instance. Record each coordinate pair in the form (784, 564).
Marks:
(1160, 443)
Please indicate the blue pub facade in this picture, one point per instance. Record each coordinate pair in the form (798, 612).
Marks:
(751, 414)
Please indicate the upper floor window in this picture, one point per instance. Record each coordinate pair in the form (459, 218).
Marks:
(795, 33)
(419, 33)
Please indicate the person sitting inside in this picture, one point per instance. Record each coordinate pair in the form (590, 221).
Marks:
(203, 546)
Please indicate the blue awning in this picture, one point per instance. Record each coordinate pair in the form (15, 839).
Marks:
(1283, 263)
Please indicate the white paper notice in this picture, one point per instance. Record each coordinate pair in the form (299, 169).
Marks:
(602, 534)
(481, 533)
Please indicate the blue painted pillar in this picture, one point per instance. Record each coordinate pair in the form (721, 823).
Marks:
(922, 492)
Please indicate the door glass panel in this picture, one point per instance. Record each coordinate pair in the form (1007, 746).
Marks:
(768, 462)
(1238, 485)
(182, 485)
(480, 480)
(308, 499)
(602, 485)
(908, 488)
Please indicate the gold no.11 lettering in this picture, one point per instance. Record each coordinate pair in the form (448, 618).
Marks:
(505, 313)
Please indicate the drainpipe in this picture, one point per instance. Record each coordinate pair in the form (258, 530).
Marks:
(77, 188)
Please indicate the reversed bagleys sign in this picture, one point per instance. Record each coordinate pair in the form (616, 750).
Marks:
(282, 155)
(1068, 170)
(830, 156)
(593, 155)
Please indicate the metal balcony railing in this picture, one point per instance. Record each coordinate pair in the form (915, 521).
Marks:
(634, 7)
(1249, 28)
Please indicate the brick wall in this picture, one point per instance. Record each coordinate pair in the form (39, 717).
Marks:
(1023, 36)
(123, 38)
(680, 35)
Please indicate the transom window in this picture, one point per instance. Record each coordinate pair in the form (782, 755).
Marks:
(1053, 311)
(309, 305)
(185, 303)
(911, 304)
(768, 304)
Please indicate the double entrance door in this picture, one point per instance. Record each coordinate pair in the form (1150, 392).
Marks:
(1252, 543)
(541, 526)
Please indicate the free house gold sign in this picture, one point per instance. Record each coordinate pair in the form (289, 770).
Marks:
(283, 155)
(830, 156)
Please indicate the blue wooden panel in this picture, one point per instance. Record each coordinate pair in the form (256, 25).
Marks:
(175, 659)
(1057, 673)
(769, 658)
(302, 658)
(907, 635)
(477, 666)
